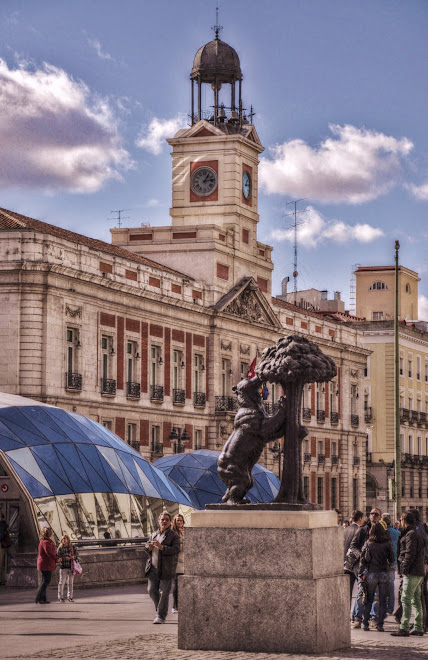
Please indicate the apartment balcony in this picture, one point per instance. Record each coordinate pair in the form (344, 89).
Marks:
(179, 397)
(156, 393)
(334, 418)
(306, 414)
(404, 414)
(355, 420)
(368, 415)
(226, 404)
(321, 458)
(422, 418)
(108, 386)
(320, 415)
(156, 450)
(306, 458)
(199, 399)
(135, 445)
(413, 417)
(73, 382)
(133, 390)
(334, 459)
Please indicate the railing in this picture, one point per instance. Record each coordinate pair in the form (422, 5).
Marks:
(179, 396)
(334, 418)
(306, 414)
(356, 460)
(404, 415)
(157, 449)
(199, 399)
(320, 415)
(321, 458)
(270, 408)
(73, 381)
(226, 404)
(133, 390)
(355, 420)
(108, 386)
(135, 445)
(413, 416)
(334, 459)
(422, 418)
(156, 393)
(368, 416)
(307, 458)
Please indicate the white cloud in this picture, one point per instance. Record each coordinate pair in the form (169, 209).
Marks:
(354, 166)
(423, 308)
(54, 133)
(98, 49)
(314, 229)
(152, 137)
(420, 192)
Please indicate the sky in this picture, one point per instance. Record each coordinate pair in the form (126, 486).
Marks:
(90, 90)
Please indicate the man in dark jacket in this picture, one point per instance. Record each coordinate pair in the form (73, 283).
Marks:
(411, 565)
(164, 547)
(357, 543)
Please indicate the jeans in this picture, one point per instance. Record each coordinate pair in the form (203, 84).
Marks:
(357, 612)
(375, 581)
(411, 597)
(65, 575)
(159, 592)
(390, 599)
(46, 580)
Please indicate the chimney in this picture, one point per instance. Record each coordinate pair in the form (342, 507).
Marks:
(284, 283)
(337, 295)
(324, 295)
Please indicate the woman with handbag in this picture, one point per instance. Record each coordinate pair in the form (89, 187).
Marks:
(67, 556)
(46, 563)
(376, 557)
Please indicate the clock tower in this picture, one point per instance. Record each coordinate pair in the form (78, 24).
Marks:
(213, 234)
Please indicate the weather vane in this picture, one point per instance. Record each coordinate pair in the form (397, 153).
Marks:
(216, 27)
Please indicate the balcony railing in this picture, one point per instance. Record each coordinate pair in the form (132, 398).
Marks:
(73, 381)
(226, 404)
(321, 458)
(334, 459)
(271, 408)
(179, 396)
(356, 460)
(135, 445)
(133, 390)
(355, 420)
(368, 416)
(157, 449)
(422, 418)
(306, 458)
(404, 414)
(199, 399)
(320, 415)
(108, 386)
(306, 414)
(156, 393)
(413, 416)
(334, 418)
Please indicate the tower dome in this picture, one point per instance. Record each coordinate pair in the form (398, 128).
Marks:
(216, 61)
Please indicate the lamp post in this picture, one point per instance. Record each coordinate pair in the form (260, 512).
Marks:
(277, 452)
(180, 438)
(397, 445)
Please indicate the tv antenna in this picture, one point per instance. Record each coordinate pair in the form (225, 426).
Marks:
(294, 226)
(119, 216)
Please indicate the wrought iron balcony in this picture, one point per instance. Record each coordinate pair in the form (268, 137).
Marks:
(368, 416)
(356, 460)
(108, 386)
(404, 414)
(334, 418)
(422, 418)
(156, 393)
(135, 445)
(199, 399)
(73, 381)
(320, 415)
(133, 390)
(355, 420)
(179, 396)
(334, 459)
(226, 404)
(413, 416)
(306, 414)
(321, 458)
(157, 449)
(306, 458)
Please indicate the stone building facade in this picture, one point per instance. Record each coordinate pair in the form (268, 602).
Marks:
(147, 335)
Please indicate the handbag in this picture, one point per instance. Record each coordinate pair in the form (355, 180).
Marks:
(352, 557)
(76, 567)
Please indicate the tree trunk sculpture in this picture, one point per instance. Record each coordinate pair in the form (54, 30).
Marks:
(293, 362)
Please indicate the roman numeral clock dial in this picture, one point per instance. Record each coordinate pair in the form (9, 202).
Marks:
(203, 181)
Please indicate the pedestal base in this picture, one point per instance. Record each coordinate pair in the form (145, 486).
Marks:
(274, 586)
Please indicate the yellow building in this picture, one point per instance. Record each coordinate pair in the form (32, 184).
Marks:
(375, 293)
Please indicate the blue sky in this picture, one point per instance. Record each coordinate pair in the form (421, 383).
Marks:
(90, 89)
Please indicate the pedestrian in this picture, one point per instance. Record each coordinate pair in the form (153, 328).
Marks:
(66, 555)
(351, 565)
(411, 565)
(376, 556)
(346, 523)
(4, 545)
(422, 531)
(356, 546)
(164, 548)
(46, 563)
(178, 526)
(394, 535)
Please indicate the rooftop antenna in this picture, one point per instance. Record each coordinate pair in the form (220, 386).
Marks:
(119, 217)
(294, 226)
(216, 27)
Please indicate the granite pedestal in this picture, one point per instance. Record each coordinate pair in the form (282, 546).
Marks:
(265, 581)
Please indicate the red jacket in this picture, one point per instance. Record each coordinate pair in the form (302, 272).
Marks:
(46, 559)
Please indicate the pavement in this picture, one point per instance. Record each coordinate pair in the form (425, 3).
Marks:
(118, 623)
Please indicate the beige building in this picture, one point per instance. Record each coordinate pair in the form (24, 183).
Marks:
(375, 286)
(148, 335)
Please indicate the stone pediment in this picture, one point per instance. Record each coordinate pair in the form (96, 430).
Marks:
(247, 302)
(204, 128)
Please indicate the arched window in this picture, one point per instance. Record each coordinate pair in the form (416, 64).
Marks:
(377, 286)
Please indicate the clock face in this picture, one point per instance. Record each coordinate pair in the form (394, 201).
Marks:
(246, 185)
(203, 181)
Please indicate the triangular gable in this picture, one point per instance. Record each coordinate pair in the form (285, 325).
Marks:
(252, 135)
(202, 128)
(246, 301)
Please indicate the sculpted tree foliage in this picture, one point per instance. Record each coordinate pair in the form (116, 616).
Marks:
(293, 362)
